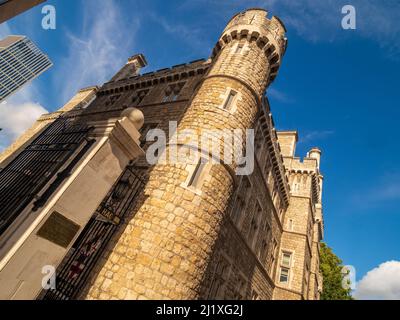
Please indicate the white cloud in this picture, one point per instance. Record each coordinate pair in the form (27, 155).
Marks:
(18, 113)
(4, 30)
(16, 118)
(99, 50)
(381, 283)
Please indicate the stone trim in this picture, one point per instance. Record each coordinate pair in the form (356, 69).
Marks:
(153, 78)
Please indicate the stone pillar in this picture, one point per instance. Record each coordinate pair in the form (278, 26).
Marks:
(42, 237)
(165, 248)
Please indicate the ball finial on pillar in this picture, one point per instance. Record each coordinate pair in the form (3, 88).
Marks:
(134, 115)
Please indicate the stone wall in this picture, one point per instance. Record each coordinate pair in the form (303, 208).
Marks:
(168, 244)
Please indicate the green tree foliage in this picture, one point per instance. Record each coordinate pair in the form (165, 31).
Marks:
(331, 269)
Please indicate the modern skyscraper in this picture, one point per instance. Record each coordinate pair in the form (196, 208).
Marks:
(11, 8)
(20, 62)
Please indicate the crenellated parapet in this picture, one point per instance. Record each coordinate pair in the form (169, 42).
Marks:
(254, 27)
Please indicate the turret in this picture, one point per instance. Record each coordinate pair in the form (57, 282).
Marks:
(315, 153)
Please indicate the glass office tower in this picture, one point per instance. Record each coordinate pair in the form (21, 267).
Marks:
(20, 62)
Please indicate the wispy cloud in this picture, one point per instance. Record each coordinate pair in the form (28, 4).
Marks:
(279, 96)
(317, 20)
(312, 136)
(321, 20)
(381, 283)
(383, 190)
(193, 36)
(102, 46)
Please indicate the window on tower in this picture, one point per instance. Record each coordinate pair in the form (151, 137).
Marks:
(284, 276)
(286, 264)
(230, 100)
(286, 257)
(197, 173)
(239, 48)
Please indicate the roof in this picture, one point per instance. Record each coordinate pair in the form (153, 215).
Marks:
(8, 41)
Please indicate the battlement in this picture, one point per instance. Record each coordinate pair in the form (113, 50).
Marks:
(296, 164)
(256, 16)
(255, 26)
(174, 73)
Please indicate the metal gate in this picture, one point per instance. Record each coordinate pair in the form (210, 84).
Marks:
(32, 169)
(73, 272)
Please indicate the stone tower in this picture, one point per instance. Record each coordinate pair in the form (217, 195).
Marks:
(303, 223)
(166, 246)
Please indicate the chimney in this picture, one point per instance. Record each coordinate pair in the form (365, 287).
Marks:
(131, 68)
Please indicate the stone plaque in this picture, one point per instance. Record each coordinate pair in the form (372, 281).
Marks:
(58, 229)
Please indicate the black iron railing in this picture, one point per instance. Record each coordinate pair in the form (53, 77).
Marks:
(23, 178)
(73, 272)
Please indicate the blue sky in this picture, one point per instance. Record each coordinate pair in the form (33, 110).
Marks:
(338, 88)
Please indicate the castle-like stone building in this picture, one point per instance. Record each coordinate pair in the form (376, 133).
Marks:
(170, 230)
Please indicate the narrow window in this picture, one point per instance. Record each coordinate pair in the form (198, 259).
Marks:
(239, 48)
(284, 277)
(290, 224)
(229, 100)
(286, 257)
(197, 173)
(285, 267)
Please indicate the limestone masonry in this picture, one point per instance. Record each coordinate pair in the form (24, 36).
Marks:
(184, 230)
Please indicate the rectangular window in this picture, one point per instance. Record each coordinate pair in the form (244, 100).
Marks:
(197, 173)
(284, 276)
(286, 259)
(229, 100)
